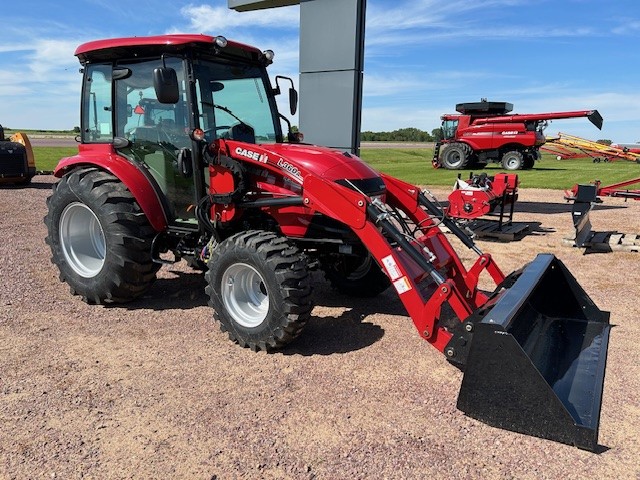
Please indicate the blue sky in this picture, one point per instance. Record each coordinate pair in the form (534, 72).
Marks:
(421, 58)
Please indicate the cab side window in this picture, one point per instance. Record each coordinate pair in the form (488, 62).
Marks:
(97, 123)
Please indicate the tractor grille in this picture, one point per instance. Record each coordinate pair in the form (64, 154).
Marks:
(13, 159)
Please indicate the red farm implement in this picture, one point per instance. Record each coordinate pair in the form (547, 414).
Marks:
(485, 204)
(484, 132)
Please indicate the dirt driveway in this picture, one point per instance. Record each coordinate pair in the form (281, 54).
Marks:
(153, 389)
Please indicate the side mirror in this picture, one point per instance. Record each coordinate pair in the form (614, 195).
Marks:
(165, 83)
(293, 94)
(293, 100)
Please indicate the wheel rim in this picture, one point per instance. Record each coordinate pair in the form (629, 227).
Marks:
(82, 240)
(512, 162)
(453, 158)
(244, 295)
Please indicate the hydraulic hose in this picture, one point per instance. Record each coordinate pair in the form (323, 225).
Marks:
(380, 219)
(449, 223)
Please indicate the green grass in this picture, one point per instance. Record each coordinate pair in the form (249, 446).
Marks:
(414, 166)
(48, 157)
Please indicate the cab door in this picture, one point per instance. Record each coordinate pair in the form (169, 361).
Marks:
(158, 134)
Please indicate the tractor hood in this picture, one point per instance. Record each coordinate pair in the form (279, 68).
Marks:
(296, 161)
(325, 162)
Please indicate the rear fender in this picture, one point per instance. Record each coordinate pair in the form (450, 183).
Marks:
(140, 184)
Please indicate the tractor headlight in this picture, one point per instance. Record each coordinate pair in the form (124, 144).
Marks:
(220, 41)
(268, 55)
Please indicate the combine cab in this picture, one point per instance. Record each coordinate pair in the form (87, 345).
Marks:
(182, 151)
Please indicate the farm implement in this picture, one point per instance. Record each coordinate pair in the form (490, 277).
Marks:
(566, 147)
(17, 163)
(584, 197)
(183, 156)
(485, 205)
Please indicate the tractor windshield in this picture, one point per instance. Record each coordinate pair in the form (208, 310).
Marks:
(234, 102)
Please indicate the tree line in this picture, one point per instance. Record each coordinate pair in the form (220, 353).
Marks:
(402, 135)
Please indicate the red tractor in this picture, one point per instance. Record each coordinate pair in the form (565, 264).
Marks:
(483, 132)
(182, 151)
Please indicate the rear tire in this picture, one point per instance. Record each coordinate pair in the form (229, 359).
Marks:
(529, 162)
(259, 287)
(99, 237)
(356, 276)
(455, 156)
(512, 160)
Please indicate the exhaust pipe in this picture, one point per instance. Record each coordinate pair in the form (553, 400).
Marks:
(537, 358)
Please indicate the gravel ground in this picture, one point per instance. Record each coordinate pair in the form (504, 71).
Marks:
(153, 389)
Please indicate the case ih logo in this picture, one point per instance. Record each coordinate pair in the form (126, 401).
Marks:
(252, 155)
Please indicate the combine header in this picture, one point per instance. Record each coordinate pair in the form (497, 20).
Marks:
(182, 151)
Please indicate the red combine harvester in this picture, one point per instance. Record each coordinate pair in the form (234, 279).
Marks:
(483, 132)
(182, 151)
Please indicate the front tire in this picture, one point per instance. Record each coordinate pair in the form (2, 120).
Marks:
(259, 287)
(455, 156)
(99, 237)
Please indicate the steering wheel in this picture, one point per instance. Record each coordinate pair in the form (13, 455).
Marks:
(218, 127)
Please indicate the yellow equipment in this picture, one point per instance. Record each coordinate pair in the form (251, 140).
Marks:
(566, 146)
(17, 163)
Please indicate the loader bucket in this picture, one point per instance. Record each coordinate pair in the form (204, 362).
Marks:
(537, 359)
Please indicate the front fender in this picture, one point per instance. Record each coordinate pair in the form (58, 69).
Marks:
(139, 183)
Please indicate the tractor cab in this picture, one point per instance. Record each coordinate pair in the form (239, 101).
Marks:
(158, 106)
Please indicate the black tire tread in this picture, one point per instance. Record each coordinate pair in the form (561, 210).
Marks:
(131, 270)
(290, 268)
(466, 150)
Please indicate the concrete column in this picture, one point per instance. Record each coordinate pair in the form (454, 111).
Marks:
(331, 68)
(331, 72)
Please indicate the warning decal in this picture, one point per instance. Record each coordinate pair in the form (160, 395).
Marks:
(402, 285)
(392, 267)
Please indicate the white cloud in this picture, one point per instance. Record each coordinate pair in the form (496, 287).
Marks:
(51, 60)
(208, 19)
(628, 27)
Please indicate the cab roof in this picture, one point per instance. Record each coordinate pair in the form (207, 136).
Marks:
(115, 48)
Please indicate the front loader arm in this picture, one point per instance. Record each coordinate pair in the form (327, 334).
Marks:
(531, 364)
(424, 270)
